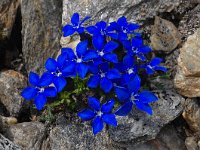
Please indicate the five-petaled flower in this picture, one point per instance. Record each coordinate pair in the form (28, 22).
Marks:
(131, 96)
(40, 89)
(98, 114)
(76, 25)
(102, 75)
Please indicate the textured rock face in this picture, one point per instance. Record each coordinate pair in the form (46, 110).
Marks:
(77, 137)
(111, 10)
(165, 35)
(192, 143)
(28, 135)
(192, 114)
(167, 139)
(6, 144)
(11, 84)
(187, 79)
(8, 10)
(140, 127)
(41, 25)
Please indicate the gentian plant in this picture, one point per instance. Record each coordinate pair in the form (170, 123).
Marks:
(115, 63)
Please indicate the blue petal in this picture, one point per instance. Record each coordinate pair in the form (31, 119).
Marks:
(40, 101)
(68, 67)
(125, 79)
(113, 74)
(59, 83)
(149, 70)
(113, 26)
(108, 106)
(121, 67)
(68, 30)
(145, 49)
(29, 93)
(144, 107)
(110, 46)
(94, 103)
(90, 54)
(109, 119)
(81, 69)
(51, 65)
(69, 52)
(104, 67)
(147, 97)
(133, 26)
(122, 36)
(106, 85)
(127, 45)
(46, 79)
(80, 30)
(34, 78)
(62, 58)
(101, 25)
(113, 35)
(124, 109)
(137, 42)
(134, 84)
(75, 19)
(93, 81)
(86, 114)
(50, 92)
(155, 61)
(85, 19)
(93, 68)
(160, 68)
(122, 21)
(97, 125)
(111, 57)
(98, 42)
(81, 48)
(122, 93)
(128, 61)
(92, 30)
(141, 56)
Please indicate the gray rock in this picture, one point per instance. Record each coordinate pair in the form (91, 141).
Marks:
(28, 135)
(192, 143)
(111, 10)
(165, 35)
(11, 84)
(6, 144)
(187, 79)
(167, 139)
(192, 114)
(8, 10)
(78, 137)
(140, 127)
(41, 31)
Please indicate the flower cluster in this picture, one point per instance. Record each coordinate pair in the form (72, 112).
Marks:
(113, 62)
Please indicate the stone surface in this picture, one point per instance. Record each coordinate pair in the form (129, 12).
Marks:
(41, 31)
(8, 10)
(5, 122)
(192, 114)
(6, 144)
(164, 35)
(77, 137)
(167, 139)
(28, 135)
(11, 84)
(187, 79)
(140, 127)
(192, 143)
(111, 10)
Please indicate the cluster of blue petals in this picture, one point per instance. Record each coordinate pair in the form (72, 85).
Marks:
(100, 63)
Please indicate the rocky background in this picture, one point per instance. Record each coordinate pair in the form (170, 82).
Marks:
(30, 32)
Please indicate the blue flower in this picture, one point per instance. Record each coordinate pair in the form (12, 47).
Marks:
(104, 50)
(101, 29)
(76, 25)
(40, 89)
(128, 69)
(136, 47)
(76, 61)
(154, 65)
(124, 28)
(102, 75)
(98, 114)
(131, 96)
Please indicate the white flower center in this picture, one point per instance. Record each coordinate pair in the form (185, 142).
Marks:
(102, 75)
(101, 53)
(41, 90)
(130, 71)
(79, 60)
(99, 113)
